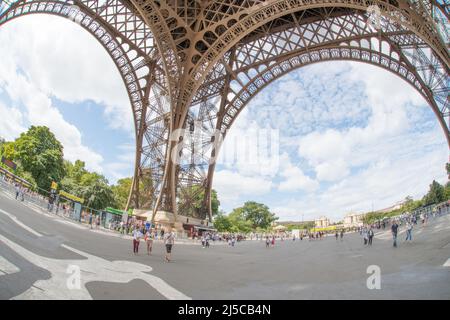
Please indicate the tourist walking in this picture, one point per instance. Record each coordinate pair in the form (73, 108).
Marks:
(394, 229)
(207, 238)
(337, 235)
(169, 241)
(342, 235)
(22, 193)
(370, 235)
(203, 241)
(149, 241)
(409, 227)
(365, 235)
(137, 235)
(17, 190)
(267, 242)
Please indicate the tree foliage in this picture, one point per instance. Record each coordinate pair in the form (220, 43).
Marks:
(250, 217)
(435, 195)
(222, 223)
(91, 186)
(258, 214)
(191, 200)
(38, 152)
(121, 192)
(302, 226)
(98, 195)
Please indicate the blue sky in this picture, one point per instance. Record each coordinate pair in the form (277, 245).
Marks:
(351, 136)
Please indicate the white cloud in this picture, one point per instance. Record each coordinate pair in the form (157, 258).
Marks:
(232, 186)
(33, 62)
(332, 170)
(11, 122)
(251, 149)
(40, 111)
(66, 62)
(294, 178)
(124, 166)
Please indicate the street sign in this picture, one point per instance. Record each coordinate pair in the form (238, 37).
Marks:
(71, 197)
(54, 185)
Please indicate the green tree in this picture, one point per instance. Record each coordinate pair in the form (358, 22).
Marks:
(436, 194)
(2, 142)
(98, 195)
(238, 221)
(75, 171)
(222, 223)
(91, 186)
(258, 214)
(191, 201)
(447, 191)
(121, 192)
(38, 152)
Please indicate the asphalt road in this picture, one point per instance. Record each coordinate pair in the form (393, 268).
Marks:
(39, 253)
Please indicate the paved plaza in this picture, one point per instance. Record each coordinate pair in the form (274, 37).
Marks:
(39, 254)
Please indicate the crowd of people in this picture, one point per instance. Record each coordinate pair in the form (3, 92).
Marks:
(406, 220)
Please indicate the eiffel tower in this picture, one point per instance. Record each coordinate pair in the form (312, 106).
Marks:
(194, 65)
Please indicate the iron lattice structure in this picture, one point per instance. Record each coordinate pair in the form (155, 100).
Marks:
(202, 61)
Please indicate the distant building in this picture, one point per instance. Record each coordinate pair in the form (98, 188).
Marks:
(322, 222)
(396, 206)
(352, 220)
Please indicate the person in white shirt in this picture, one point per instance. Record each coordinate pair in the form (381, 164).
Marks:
(409, 228)
(169, 241)
(137, 235)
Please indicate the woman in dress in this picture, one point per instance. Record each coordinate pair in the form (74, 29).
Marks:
(149, 241)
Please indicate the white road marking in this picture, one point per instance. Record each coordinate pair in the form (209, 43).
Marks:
(92, 269)
(7, 267)
(447, 263)
(14, 218)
